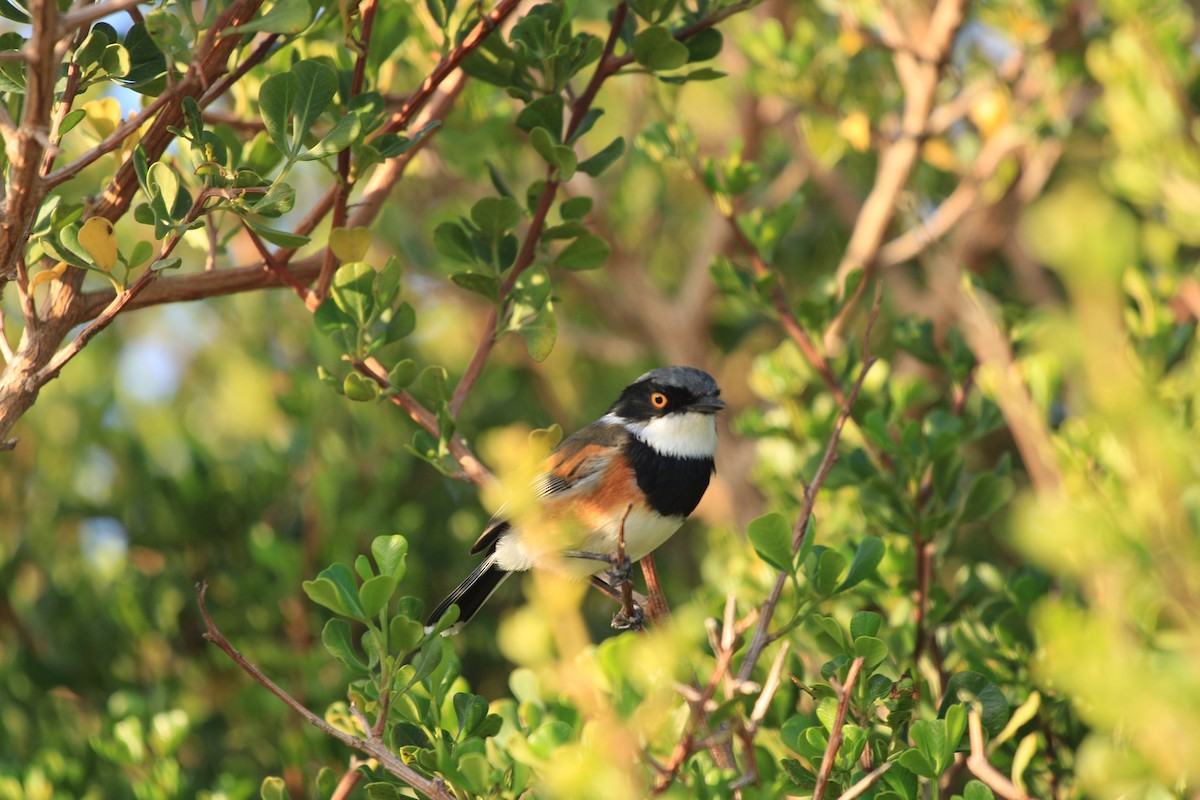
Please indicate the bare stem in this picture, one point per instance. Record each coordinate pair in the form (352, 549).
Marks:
(374, 747)
(835, 733)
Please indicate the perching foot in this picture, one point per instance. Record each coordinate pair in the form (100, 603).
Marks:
(623, 622)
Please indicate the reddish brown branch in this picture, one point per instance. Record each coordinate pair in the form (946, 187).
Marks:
(489, 22)
(579, 109)
(373, 747)
(835, 732)
(762, 635)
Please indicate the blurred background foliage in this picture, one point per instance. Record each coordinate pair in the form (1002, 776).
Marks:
(1018, 478)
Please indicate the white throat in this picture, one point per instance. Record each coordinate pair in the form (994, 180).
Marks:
(687, 435)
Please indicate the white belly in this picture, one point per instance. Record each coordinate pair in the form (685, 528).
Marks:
(644, 532)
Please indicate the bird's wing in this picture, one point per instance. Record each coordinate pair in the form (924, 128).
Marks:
(581, 456)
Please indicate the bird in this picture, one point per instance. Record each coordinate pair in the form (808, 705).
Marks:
(644, 465)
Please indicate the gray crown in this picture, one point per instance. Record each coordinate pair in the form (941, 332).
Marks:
(697, 381)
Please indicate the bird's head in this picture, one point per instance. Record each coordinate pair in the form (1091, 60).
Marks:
(672, 409)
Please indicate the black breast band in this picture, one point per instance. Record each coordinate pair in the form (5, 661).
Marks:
(673, 485)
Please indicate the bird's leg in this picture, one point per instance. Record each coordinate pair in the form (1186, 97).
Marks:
(620, 568)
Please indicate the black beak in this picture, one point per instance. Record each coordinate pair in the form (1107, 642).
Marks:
(709, 404)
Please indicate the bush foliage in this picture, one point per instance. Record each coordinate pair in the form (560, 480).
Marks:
(940, 257)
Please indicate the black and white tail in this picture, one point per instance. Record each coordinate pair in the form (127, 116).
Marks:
(470, 595)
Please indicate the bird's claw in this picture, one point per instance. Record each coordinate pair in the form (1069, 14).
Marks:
(621, 570)
(624, 622)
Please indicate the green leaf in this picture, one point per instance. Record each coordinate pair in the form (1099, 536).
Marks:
(288, 17)
(829, 570)
(771, 537)
(452, 240)
(866, 559)
(865, 623)
(141, 253)
(930, 739)
(541, 334)
(586, 252)
(316, 85)
(704, 45)
(390, 553)
(561, 157)
(277, 201)
(164, 183)
(495, 216)
(359, 388)
(73, 118)
(273, 788)
(278, 237)
(575, 208)
(375, 593)
(324, 590)
(477, 282)
(872, 650)
(353, 289)
(331, 321)
(702, 74)
(545, 112)
(379, 790)
(470, 709)
(275, 99)
(426, 661)
(340, 136)
(148, 65)
(405, 633)
(988, 494)
(116, 61)
(603, 160)
(403, 374)
(971, 687)
(339, 643)
(9, 11)
(656, 49)
(977, 790)
(914, 761)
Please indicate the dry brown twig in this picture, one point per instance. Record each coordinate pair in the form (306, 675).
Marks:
(919, 57)
(373, 746)
(835, 732)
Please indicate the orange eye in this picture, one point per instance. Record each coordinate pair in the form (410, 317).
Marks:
(658, 400)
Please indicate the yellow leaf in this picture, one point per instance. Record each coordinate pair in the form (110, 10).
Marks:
(52, 274)
(990, 112)
(850, 41)
(97, 239)
(103, 116)
(856, 129)
(937, 153)
(350, 244)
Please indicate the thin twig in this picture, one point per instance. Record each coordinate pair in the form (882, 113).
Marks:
(350, 779)
(762, 635)
(835, 732)
(774, 678)
(5, 348)
(488, 23)
(89, 14)
(579, 109)
(374, 747)
(867, 781)
(919, 67)
(981, 768)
